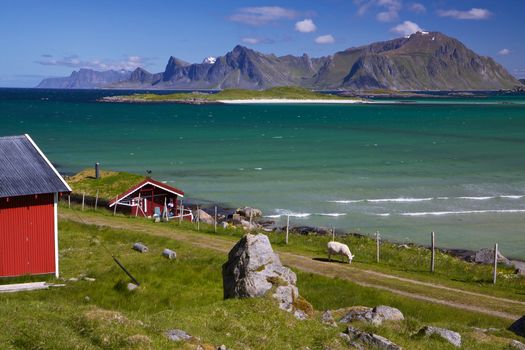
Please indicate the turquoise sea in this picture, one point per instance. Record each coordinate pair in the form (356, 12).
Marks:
(455, 166)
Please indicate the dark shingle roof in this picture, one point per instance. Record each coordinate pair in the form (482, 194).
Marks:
(25, 170)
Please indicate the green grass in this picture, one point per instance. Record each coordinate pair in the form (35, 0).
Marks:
(186, 293)
(294, 93)
(109, 185)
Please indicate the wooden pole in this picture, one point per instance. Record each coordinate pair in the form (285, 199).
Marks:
(433, 253)
(83, 196)
(333, 234)
(138, 207)
(377, 246)
(287, 227)
(165, 209)
(96, 201)
(69, 201)
(215, 221)
(495, 263)
(251, 215)
(198, 219)
(115, 206)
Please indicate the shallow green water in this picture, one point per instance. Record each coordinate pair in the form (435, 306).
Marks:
(397, 168)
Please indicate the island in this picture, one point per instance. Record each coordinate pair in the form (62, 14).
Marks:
(238, 96)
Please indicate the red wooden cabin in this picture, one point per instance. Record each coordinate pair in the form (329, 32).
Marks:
(152, 198)
(29, 191)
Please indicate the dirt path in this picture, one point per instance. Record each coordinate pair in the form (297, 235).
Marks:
(406, 287)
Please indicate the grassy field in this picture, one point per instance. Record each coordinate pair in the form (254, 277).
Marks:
(294, 93)
(187, 293)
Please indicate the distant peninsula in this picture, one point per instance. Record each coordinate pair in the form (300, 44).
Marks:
(286, 94)
(419, 62)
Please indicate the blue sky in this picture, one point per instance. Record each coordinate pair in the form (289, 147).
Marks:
(51, 38)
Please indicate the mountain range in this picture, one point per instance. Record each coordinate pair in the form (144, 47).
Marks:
(421, 61)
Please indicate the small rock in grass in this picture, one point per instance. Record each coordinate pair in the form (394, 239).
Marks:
(170, 254)
(222, 347)
(300, 315)
(225, 224)
(73, 279)
(371, 339)
(328, 319)
(388, 313)
(139, 247)
(132, 286)
(452, 337)
(178, 335)
(87, 298)
(89, 279)
(514, 344)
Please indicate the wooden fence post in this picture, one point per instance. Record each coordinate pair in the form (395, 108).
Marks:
(251, 218)
(287, 227)
(377, 246)
(96, 201)
(333, 234)
(198, 219)
(83, 196)
(138, 207)
(215, 221)
(115, 206)
(495, 263)
(433, 253)
(69, 201)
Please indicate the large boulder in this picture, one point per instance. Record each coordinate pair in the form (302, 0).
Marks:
(375, 316)
(203, 216)
(452, 337)
(486, 256)
(248, 211)
(253, 270)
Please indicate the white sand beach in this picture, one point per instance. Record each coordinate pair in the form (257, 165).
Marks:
(290, 101)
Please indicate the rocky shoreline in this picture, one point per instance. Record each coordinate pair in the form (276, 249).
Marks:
(131, 99)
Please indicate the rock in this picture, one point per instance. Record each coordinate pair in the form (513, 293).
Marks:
(300, 315)
(225, 225)
(222, 347)
(203, 217)
(139, 247)
(452, 337)
(89, 279)
(248, 211)
(247, 226)
(519, 266)
(253, 269)
(132, 286)
(374, 316)
(177, 335)
(388, 313)
(371, 339)
(170, 254)
(486, 256)
(514, 344)
(328, 319)
(73, 279)
(236, 219)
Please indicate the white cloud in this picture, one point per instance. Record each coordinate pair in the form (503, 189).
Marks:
(257, 16)
(251, 41)
(504, 52)
(389, 8)
(73, 61)
(474, 13)
(325, 39)
(305, 26)
(417, 8)
(406, 28)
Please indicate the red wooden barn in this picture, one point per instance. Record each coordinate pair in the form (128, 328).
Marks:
(29, 191)
(152, 198)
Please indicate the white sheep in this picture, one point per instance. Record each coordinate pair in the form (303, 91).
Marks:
(336, 248)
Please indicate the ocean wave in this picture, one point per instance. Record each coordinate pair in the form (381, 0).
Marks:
(460, 212)
(284, 213)
(425, 199)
